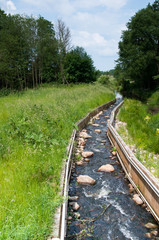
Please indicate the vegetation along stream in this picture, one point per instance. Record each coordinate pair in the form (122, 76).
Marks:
(104, 210)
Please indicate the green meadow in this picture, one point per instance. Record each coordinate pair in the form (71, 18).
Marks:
(142, 129)
(35, 127)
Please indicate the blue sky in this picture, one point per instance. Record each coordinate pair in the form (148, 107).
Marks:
(95, 25)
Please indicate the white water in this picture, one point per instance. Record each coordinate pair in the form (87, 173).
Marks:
(118, 95)
(127, 233)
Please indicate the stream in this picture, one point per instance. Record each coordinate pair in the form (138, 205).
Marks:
(107, 211)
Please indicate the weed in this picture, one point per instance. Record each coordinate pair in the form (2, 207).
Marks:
(114, 149)
(78, 157)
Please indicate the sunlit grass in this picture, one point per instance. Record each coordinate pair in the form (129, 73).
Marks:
(142, 132)
(34, 131)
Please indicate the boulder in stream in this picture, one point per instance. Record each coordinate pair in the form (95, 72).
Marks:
(148, 235)
(84, 135)
(97, 130)
(74, 205)
(81, 142)
(87, 159)
(114, 153)
(106, 168)
(77, 215)
(151, 225)
(137, 199)
(131, 189)
(95, 125)
(87, 154)
(80, 163)
(85, 180)
(154, 233)
(73, 198)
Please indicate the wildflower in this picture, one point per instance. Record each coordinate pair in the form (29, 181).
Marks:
(147, 118)
(157, 130)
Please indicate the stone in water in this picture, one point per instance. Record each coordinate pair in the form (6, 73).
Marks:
(87, 154)
(85, 180)
(106, 168)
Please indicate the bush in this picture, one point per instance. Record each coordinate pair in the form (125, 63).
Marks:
(103, 79)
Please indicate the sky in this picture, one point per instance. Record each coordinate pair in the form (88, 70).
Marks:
(95, 25)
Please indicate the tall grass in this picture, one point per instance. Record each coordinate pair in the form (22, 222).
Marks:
(143, 128)
(153, 101)
(34, 131)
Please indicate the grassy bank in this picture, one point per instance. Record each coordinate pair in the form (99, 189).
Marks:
(34, 131)
(142, 124)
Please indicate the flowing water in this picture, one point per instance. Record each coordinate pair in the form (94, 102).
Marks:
(107, 211)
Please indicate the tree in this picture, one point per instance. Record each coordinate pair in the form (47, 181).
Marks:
(79, 66)
(30, 54)
(46, 51)
(11, 52)
(138, 60)
(63, 36)
(28, 51)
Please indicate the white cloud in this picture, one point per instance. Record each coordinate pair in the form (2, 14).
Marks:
(2, 3)
(95, 42)
(8, 6)
(62, 7)
(87, 4)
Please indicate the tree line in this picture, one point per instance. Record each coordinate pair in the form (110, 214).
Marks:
(137, 68)
(32, 53)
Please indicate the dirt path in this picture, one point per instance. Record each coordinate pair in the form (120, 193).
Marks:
(107, 210)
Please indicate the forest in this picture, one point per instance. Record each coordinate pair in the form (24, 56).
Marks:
(137, 68)
(32, 53)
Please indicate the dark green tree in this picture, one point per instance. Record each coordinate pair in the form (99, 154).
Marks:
(28, 51)
(11, 52)
(137, 67)
(79, 66)
(46, 51)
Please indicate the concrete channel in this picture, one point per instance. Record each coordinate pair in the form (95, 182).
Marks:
(106, 209)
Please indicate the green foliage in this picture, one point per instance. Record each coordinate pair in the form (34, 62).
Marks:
(79, 66)
(138, 60)
(153, 101)
(142, 126)
(35, 128)
(103, 79)
(31, 54)
(28, 51)
(107, 80)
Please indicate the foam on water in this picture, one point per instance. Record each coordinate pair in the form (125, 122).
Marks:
(103, 193)
(97, 150)
(127, 233)
(86, 194)
(119, 208)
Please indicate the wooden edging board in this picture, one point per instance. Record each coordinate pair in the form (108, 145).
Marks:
(60, 218)
(142, 180)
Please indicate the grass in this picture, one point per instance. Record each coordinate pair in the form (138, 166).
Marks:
(35, 128)
(142, 131)
(153, 101)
